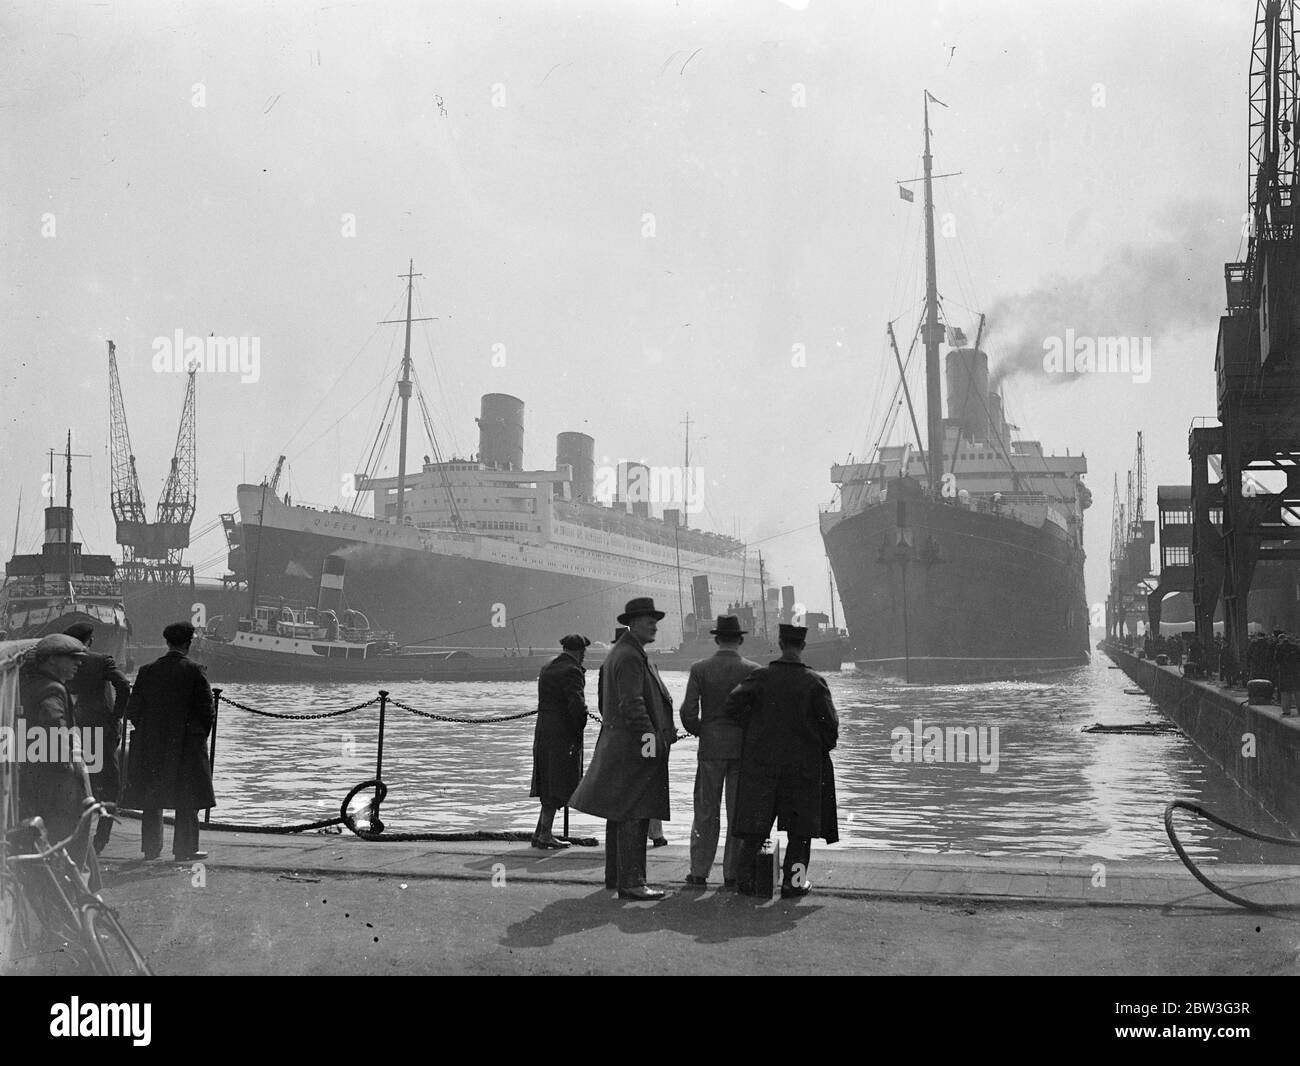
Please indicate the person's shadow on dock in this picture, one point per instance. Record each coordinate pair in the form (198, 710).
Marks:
(710, 918)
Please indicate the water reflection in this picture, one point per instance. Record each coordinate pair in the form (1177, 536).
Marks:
(1056, 790)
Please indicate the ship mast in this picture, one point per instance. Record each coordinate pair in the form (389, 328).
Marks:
(404, 390)
(68, 543)
(404, 387)
(932, 332)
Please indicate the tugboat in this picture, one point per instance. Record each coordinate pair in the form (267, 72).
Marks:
(46, 593)
(284, 641)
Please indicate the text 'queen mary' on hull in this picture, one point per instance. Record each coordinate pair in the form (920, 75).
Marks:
(962, 560)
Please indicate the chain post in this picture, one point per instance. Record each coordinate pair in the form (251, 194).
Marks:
(376, 825)
(212, 747)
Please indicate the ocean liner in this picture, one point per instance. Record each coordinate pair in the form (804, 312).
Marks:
(963, 559)
(486, 554)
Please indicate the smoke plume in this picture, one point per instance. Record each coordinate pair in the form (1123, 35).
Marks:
(1156, 289)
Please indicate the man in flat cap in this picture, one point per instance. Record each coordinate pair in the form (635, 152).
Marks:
(627, 781)
(55, 788)
(557, 740)
(721, 739)
(785, 767)
(88, 688)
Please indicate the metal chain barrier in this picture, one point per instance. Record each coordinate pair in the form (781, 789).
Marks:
(346, 817)
(462, 721)
(297, 717)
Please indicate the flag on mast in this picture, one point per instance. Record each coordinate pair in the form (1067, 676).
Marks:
(934, 99)
(905, 193)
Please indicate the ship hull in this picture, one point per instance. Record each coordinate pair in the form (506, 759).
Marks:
(225, 662)
(997, 598)
(110, 629)
(427, 598)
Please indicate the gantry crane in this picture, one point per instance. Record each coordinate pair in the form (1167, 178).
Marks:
(1237, 524)
(152, 551)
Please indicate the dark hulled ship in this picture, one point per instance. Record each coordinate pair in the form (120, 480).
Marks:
(963, 559)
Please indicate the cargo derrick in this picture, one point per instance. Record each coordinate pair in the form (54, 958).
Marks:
(151, 551)
(1257, 362)
(1132, 535)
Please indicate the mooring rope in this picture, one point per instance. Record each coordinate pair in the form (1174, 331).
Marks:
(1196, 808)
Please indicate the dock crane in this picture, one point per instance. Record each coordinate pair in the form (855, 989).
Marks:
(1237, 523)
(152, 551)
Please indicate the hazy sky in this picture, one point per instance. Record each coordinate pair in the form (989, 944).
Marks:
(646, 207)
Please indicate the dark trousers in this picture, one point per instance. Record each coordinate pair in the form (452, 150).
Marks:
(185, 835)
(107, 783)
(798, 852)
(625, 844)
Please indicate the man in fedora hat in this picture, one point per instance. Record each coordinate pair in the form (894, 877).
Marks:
(627, 781)
(785, 767)
(721, 739)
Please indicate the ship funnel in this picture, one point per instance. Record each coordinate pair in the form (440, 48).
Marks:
(578, 450)
(998, 419)
(633, 486)
(700, 597)
(968, 389)
(330, 596)
(787, 603)
(501, 431)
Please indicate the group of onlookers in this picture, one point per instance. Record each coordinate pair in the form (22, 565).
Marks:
(765, 736)
(1272, 657)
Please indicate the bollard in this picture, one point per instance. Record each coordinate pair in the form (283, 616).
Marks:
(212, 747)
(377, 826)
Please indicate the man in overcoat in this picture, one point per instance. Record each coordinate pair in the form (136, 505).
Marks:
(785, 768)
(627, 781)
(88, 687)
(54, 788)
(721, 739)
(557, 739)
(171, 709)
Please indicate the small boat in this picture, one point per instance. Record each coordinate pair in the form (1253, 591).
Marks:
(283, 641)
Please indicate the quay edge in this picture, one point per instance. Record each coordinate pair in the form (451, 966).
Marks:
(1218, 721)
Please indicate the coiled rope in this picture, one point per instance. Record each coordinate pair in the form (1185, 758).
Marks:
(1196, 808)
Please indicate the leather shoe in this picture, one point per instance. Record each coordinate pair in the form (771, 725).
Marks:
(194, 856)
(790, 892)
(549, 843)
(642, 892)
(746, 889)
(660, 842)
(150, 856)
(698, 882)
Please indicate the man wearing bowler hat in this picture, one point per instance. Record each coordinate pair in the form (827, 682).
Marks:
(785, 767)
(627, 781)
(721, 739)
